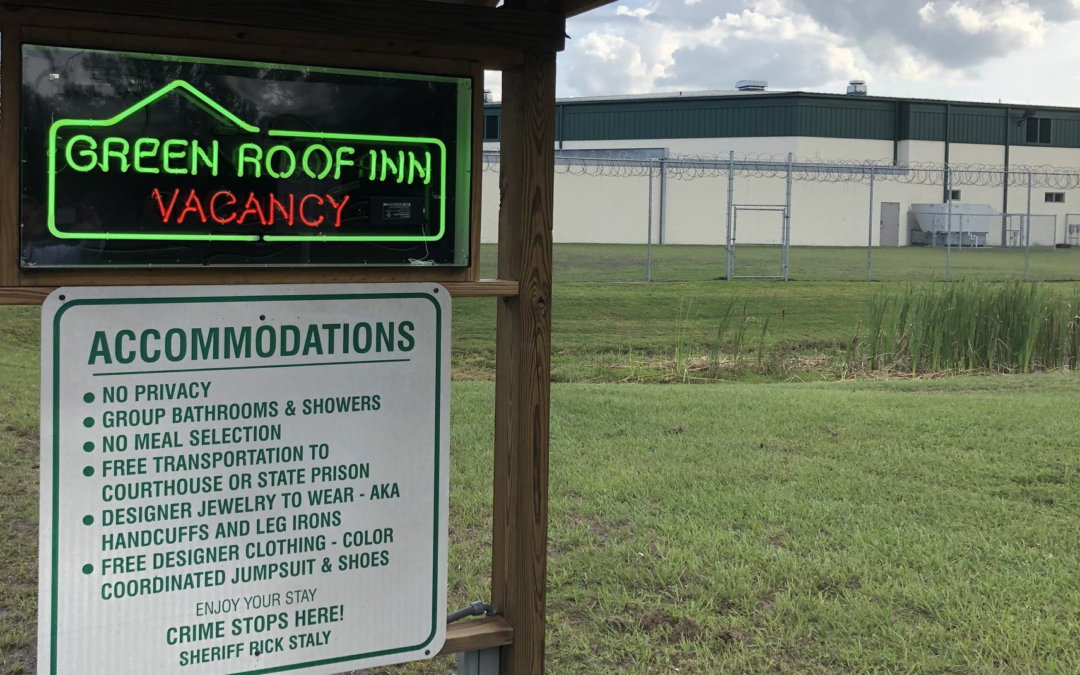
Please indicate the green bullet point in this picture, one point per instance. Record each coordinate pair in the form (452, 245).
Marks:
(88, 422)
(88, 471)
(88, 520)
(88, 446)
(87, 569)
(88, 397)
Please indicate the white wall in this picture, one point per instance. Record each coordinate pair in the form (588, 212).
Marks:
(613, 209)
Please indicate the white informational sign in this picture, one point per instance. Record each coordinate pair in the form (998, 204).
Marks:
(243, 479)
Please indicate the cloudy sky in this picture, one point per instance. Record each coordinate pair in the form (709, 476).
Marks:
(978, 50)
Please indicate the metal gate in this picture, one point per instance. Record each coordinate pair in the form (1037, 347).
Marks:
(1072, 229)
(756, 239)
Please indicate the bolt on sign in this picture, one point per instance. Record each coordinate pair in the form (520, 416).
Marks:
(243, 479)
(139, 159)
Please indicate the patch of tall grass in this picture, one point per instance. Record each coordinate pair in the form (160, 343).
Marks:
(969, 327)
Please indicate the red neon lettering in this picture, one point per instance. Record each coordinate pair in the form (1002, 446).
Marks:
(213, 207)
(251, 207)
(311, 223)
(161, 205)
(338, 208)
(280, 206)
(192, 205)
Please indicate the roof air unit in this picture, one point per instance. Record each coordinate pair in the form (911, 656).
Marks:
(751, 85)
(488, 96)
(856, 88)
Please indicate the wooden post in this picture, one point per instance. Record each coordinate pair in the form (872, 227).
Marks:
(523, 361)
(10, 151)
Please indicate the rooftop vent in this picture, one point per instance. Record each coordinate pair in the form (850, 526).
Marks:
(856, 88)
(751, 85)
(488, 96)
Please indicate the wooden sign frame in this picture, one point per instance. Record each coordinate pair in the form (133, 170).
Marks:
(459, 38)
(94, 30)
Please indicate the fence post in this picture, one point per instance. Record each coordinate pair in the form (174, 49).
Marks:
(648, 249)
(1027, 226)
(663, 202)
(948, 225)
(730, 199)
(1005, 209)
(786, 255)
(870, 226)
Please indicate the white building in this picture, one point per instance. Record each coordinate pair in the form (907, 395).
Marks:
(910, 139)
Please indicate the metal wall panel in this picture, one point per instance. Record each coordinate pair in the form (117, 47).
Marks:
(801, 114)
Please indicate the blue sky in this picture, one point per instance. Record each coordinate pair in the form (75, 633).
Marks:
(978, 50)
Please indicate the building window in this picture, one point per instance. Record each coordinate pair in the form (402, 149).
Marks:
(1038, 130)
(491, 128)
(955, 195)
(1055, 197)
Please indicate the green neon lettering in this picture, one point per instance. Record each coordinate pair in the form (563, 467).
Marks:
(386, 163)
(210, 159)
(141, 152)
(85, 154)
(82, 153)
(120, 155)
(255, 161)
(327, 159)
(424, 170)
(290, 157)
(340, 160)
(170, 154)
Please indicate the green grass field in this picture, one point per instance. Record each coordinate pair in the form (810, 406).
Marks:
(618, 263)
(767, 524)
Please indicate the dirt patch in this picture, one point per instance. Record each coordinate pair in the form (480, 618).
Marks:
(668, 627)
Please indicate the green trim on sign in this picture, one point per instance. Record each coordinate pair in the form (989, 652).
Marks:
(266, 298)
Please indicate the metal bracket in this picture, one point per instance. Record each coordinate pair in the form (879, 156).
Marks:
(477, 608)
(482, 662)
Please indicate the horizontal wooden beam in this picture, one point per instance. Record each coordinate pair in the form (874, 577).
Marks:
(575, 7)
(485, 288)
(471, 635)
(413, 21)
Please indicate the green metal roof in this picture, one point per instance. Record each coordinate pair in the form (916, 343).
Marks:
(749, 114)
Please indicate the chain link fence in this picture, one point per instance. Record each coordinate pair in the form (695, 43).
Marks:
(642, 216)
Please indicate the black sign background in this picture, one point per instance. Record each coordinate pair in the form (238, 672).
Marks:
(67, 83)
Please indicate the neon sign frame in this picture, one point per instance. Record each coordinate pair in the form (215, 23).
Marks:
(214, 109)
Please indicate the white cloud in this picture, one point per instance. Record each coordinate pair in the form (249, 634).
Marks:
(907, 45)
(639, 13)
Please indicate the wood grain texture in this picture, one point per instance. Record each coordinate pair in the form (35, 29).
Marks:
(414, 21)
(250, 42)
(10, 199)
(523, 361)
(476, 205)
(472, 634)
(308, 55)
(488, 288)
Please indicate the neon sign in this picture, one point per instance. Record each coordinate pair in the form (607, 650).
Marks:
(373, 158)
(166, 160)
